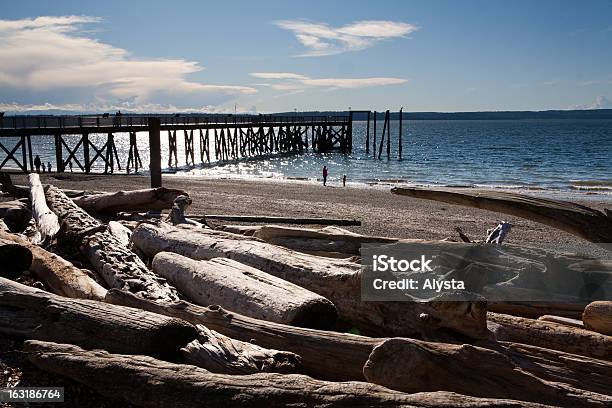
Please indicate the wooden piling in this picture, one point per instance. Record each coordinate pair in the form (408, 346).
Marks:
(374, 138)
(368, 135)
(155, 152)
(399, 140)
(388, 120)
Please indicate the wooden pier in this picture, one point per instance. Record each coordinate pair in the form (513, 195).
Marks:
(215, 138)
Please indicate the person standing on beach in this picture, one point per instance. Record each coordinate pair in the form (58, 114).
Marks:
(344, 181)
(48, 167)
(37, 163)
(324, 175)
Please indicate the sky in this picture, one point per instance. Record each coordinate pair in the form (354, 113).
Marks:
(272, 56)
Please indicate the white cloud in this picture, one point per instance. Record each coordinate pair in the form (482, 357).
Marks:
(52, 53)
(126, 107)
(600, 103)
(296, 82)
(321, 39)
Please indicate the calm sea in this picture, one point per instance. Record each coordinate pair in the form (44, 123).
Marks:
(538, 155)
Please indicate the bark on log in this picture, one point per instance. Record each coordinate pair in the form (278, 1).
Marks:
(14, 257)
(562, 320)
(36, 314)
(162, 384)
(338, 281)
(245, 290)
(598, 316)
(221, 354)
(413, 366)
(46, 221)
(136, 200)
(279, 220)
(118, 266)
(550, 335)
(58, 274)
(588, 223)
(16, 215)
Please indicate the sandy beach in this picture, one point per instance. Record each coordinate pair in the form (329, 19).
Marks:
(380, 212)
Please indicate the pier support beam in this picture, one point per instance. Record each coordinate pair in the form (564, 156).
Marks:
(155, 152)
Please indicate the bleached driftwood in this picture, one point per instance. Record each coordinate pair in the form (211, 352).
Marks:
(119, 231)
(534, 310)
(163, 384)
(46, 221)
(58, 274)
(562, 320)
(221, 354)
(588, 223)
(136, 200)
(412, 366)
(118, 266)
(14, 257)
(245, 290)
(338, 281)
(597, 316)
(550, 335)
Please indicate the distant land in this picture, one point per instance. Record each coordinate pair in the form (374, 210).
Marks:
(360, 115)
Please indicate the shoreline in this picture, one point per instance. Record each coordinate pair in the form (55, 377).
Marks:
(381, 213)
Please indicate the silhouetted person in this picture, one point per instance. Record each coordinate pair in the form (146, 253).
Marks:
(70, 165)
(37, 163)
(324, 175)
(344, 181)
(48, 167)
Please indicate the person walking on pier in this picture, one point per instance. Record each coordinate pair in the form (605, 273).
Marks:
(324, 175)
(37, 163)
(344, 181)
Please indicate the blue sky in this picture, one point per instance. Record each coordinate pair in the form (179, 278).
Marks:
(279, 55)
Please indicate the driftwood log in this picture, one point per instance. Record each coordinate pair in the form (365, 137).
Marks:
(562, 320)
(279, 220)
(588, 223)
(16, 215)
(246, 290)
(221, 354)
(58, 274)
(598, 317)
(160, 198)
(14, 257)
(536, 309)
(119, 231)
(413, 366)
(118, 266)
(550, 335)
(147, 382)
(36, 314)
(338, 281)
(47, 222)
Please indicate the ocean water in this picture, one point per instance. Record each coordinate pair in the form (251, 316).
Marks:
(569, 156)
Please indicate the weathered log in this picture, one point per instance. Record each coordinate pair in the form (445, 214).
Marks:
(16, 215)
(118, 266)
(536, 309)
(338, 281)
(325, 354)
(598, 316)
(245, 290)
(550, 335)
(58, 274)
(47, 222)
(221, 354)
(412, 366)
(163, 384)
(562, 320)
(279, 220)
(36, 314)
(588, 223)
(14, 257)
(136, 200)
(119, 231)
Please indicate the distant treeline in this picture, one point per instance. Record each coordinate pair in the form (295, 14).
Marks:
(501, 115)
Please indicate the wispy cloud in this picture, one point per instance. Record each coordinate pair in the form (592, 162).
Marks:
(96, 107)
(54, 53)
(321, 39)
(294, 83)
